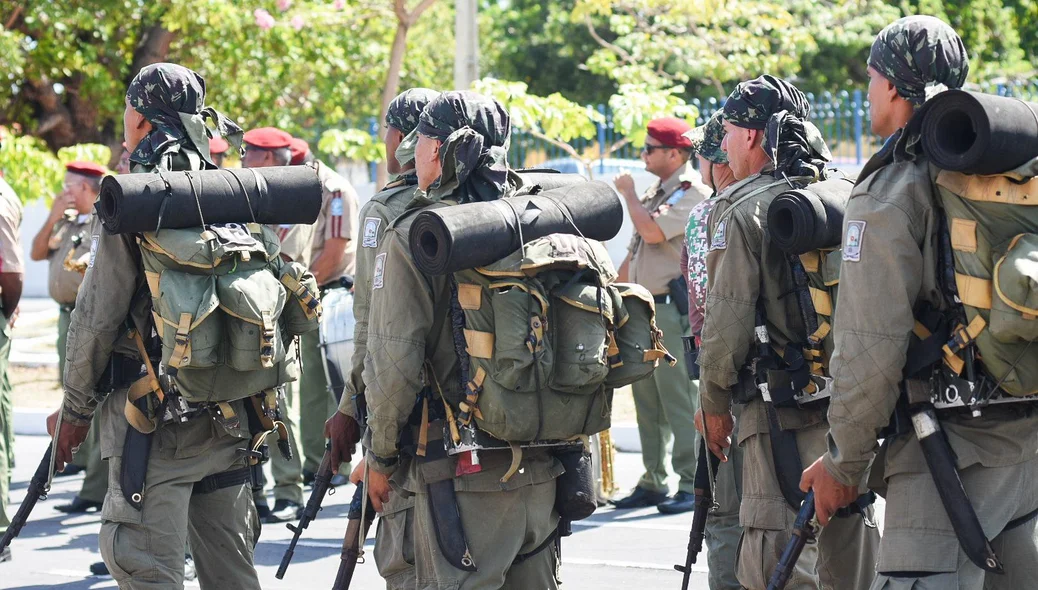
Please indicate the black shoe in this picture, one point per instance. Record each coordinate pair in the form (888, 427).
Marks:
(262, 508)
(99, 569)
(5, 555)
(308, 477)
(681, 502)
(284, 511)
(640, 498)
(70, 469)
(79, 506)
(338, 480)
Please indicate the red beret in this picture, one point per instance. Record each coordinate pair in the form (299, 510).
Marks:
(670, 131)
(299, 149)
(268, 138)
(86, 169)
(218, 145)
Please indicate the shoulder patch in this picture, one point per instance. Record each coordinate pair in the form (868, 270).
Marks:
(371, 225)
(720, 240)
(379, 272)
(675, 197)
(335, 209)
(93, 250)
(852, 241)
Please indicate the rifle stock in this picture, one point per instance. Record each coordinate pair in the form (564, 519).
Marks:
(356, 532)
(322, 482)
(803, 533)
(37, 491)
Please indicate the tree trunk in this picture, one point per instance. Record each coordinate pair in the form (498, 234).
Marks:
(389, 91)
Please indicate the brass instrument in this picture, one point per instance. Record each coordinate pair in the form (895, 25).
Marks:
(604, 453)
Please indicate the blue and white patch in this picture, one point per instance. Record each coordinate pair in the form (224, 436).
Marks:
(93, 250)
(371, 225)
(336, 207)
(380, 270)
(674, 198)
(720, 238)
(852, 241)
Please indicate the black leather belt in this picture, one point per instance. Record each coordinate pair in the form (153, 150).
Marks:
(665, 298)
(343, 282)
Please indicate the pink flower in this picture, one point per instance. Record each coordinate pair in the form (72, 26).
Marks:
(339, 4)
(264, 20)
(298, 22)
(284, 5)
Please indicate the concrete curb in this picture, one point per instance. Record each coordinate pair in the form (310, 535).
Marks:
(32, 421)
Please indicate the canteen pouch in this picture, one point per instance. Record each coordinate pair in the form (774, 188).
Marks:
(303, 308)
(183, 308)
(575, 488)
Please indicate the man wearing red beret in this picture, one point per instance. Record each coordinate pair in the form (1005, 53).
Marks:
(64, 241)
(218, 147)
(665, 404)
(299, 150)
(270, 146)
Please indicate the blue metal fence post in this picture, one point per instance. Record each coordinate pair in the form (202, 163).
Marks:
(373, 166)
(601, 139)
(858, 112)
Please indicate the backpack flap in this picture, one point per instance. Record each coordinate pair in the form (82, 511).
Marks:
(253, 301)
(303, 311)
(580, 322)
(183, 309)
(639, 341)
(1014, 309)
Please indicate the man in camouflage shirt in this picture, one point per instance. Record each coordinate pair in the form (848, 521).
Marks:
(769, 144)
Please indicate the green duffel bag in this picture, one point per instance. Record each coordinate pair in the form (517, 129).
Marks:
(639, 342)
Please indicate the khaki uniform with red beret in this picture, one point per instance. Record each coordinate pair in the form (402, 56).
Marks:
(666, 403)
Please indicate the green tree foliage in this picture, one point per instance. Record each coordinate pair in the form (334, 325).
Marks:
(34, 172)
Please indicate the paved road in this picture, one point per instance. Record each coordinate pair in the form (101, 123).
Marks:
(622, 550)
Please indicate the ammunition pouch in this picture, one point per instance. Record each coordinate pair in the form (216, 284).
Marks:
(691, 355)
(575, 488)
(858, 506)
(219, 481)
(678, 289)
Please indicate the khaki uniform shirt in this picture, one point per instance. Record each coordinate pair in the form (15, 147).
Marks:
(743, 267)
(891, 271)
(296, 242)
(338, 218)
(669, 201)
(375, 217)
(69, 243)
(11, 259)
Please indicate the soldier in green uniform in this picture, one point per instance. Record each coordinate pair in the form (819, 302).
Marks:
(769, 144)
(666, 403)
(194, 492)
(394, 544)
(64, 241)
(11, 269)
(269, 146)
(888, 274)
(460, 157)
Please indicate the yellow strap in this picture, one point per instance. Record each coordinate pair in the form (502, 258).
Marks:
(137, 419)
(822, 302)
(307, 300)
(921, 331)
(470, 296)
(811, 260)
(423, 430)
(479, 344)
(535, 341)
(267, 339)
(153, 282)
(820, 334)
(265, 421)
(226, 409)
(182, 344)
(974, 291)
(153, 380)
(963, 235)
(517, 457)
(990, 189)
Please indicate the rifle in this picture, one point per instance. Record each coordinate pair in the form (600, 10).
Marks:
(803, 533)
(313, 506)
(356, 532)
(704, 504)
(38, 488)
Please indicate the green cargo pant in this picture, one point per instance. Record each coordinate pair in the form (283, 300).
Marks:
(394, 542)
(315, 402)
(6, 428)
(498, 527)
(918, 533)
(844, 557)
(665, 405)
(288, 475)
(723, 530)
(144, 550)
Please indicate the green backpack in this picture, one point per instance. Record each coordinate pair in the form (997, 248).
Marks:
(546, 338)
(993, 227)
(226, 308)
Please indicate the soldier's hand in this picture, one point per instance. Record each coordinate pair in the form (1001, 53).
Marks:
(624, 184)
(343, 434)
(830, 495)
(378, 485)
(718, 433)
(69, 438)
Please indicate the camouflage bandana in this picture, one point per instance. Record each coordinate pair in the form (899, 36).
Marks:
(753, 103)
(172, 98)
(920, 55)
(474, 131)
(706, 139)
(403, 115)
